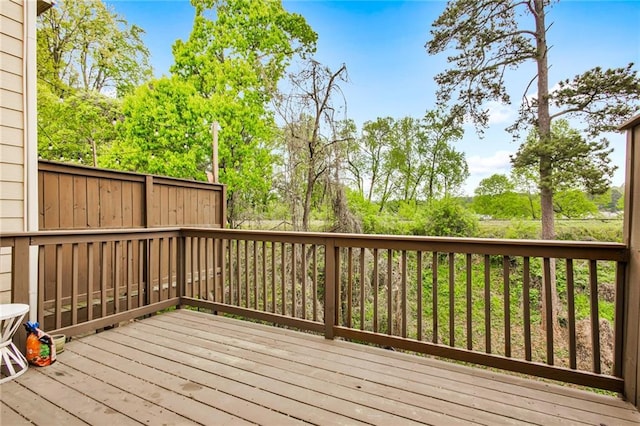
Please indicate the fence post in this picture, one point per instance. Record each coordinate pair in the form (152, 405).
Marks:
(631, 236)
(148, 204)
(20, 283)
(330, 282)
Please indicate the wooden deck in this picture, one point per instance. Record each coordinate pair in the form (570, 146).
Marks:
(186, 367)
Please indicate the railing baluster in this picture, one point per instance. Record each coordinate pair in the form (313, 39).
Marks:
(246, 274)
(293, 280)
(314, 284)
(571, 308)
(194, 256)
(264, 275)
(273, 277)
(549, 308)
(619, 319)
(116, 276)
(487, 303)
(507, 306)
(303, 249)
(419, 294)
(403, 284)
(74, 283)
(255, 275)
(452, 306)
(202, 284)
(389, 291)
(238, 272)
(207, 261)
(349, 284)
(376, 283)
(231, 271)
(129, 274)
(434, 295)
(58, 303)
(595, 318)
(223, 268)
(362, 290)
(469, 303)
(141, 270)
(526, 307)
(283, 283)
(103, 279)
(160, 268)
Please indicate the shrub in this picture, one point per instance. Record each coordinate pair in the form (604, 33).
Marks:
(448, 218)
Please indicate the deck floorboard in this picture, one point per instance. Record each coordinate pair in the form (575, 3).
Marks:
(187, 367)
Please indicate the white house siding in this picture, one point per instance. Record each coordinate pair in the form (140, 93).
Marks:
(12, 131)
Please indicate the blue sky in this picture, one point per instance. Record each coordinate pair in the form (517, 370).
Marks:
(382, 44)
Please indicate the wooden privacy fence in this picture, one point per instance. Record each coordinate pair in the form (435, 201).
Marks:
(472, 300)
(78, 197)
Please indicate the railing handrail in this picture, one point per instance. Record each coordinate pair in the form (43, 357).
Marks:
(595, 250)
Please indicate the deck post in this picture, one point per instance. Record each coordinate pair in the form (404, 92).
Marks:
(330, 283)
(20, 283)
(631, 235)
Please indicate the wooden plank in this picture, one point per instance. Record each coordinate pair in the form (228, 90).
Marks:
(10, 417)
(141, 408)
(216, 388)
(51, 207)
(203, 401)
(548, 314)
(434, 295)
(305, 389)
(127, 204)
(542, 396)
(294, 355)
(168, 404)
(80, 202)
(93, 199)
(44, 401)
(66, 201)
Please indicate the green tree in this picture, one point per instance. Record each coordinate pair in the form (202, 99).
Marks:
(77, 128)
(234, 57)
(572, 161)
(496, 197)
(83, 44)
(574, 204)
(165, 131)
(492, 37)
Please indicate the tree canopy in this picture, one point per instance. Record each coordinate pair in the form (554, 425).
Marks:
(488, 39)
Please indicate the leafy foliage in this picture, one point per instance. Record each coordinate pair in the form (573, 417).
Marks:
(448, 218)
(234, 59)
(573, 162)
(83, 44)
(165, 131)
(76, 128)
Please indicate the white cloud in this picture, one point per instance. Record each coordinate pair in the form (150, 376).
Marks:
(499, 162)
(499, 113)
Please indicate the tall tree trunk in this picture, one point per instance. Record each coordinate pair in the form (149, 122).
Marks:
(306, 212)
(546, 172)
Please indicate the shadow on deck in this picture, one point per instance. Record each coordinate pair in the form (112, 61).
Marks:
(186, 367)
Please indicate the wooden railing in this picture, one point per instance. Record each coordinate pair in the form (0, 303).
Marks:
(471, 300)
